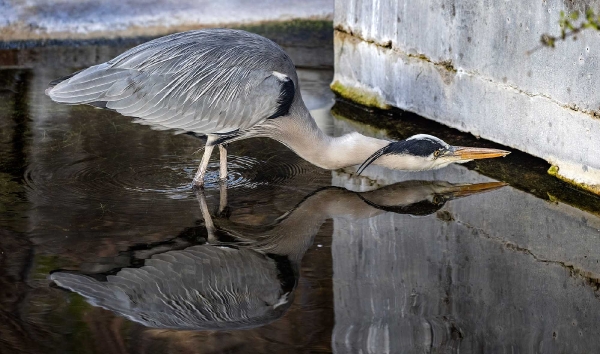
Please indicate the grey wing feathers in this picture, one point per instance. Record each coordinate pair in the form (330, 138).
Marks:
(208, 81)
(201, 287)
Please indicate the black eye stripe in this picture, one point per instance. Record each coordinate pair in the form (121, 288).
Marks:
(415, 147)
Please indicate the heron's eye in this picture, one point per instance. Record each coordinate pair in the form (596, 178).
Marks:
(437, 153)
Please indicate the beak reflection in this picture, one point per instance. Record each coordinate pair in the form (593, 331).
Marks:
(471, 189)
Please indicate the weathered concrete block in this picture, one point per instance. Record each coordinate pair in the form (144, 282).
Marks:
(466, 64)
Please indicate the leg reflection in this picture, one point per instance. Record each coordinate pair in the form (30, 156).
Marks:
(222, 196)
(210, 226)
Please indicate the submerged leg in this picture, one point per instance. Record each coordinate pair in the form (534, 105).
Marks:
(210, 227)
(199, 177)
(223, 166)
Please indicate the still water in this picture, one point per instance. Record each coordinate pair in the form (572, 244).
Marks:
(289, 258)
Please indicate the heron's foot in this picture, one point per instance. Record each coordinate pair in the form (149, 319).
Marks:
(198, 184)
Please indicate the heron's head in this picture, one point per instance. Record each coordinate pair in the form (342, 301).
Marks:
(423, 197)
(426, 152)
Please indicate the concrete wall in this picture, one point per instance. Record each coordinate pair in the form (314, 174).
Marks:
(466, 64)
(501, 272)
(84, 19)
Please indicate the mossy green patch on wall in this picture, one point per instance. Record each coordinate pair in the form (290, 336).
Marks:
(44, 264)
(359, 95)
(553, 171)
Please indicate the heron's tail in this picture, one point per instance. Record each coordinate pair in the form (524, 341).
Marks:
(58, 81)
(96, 292)
(95, 86)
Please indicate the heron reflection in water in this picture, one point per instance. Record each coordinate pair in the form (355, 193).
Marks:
(245, 276)
(231, 85)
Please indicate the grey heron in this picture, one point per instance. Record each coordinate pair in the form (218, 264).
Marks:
(250, 281)
(231, 85)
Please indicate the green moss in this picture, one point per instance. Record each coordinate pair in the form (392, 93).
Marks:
(553, 199)
(44, 264)
(72, 317)
(81, 338)
(358, 95)
(553, 171)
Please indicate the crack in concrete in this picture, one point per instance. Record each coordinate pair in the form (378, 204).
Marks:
(447, 64)
(591, 279)
(347, 31)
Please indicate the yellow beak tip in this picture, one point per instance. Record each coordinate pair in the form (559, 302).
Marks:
(473, 153)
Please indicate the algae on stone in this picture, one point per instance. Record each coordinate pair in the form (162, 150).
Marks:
(553, 171)
(359, 95)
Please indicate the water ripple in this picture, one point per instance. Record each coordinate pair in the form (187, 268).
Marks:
(94, 178)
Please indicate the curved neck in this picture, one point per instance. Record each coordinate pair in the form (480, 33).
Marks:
(299, 132)
(293, 233)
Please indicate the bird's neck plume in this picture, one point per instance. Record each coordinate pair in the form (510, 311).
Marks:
(300, 133)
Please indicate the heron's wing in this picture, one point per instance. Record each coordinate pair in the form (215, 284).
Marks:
(199, 287)
(210, 81)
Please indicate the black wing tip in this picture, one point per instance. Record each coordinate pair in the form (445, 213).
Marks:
(225, 137)
(53, 83)
(287, 92)
(58, 81)
(64, 78)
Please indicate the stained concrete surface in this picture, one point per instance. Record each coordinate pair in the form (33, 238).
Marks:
(466, 65)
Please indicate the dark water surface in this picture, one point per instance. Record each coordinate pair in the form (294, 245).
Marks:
(299, 260)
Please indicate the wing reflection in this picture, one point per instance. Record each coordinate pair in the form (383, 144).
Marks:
(245, 276)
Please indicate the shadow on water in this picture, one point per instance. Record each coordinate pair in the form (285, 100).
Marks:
(305, 260)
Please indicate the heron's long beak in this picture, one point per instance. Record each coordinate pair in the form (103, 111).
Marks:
(474, 153)
(466, 190)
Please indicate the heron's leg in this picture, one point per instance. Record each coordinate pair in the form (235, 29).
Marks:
(199, 177)
(210, 227)
(222, 196)
(223, 166)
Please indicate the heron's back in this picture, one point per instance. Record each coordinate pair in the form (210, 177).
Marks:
(205, 81)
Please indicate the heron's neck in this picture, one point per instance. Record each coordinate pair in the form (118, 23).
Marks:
(306, 219)
(300, 133)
